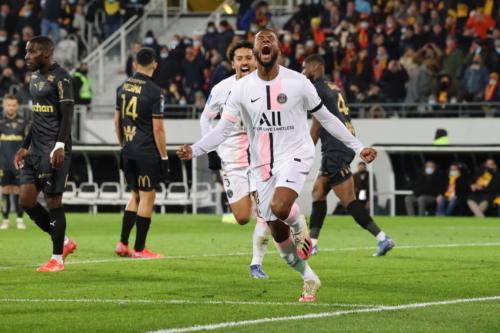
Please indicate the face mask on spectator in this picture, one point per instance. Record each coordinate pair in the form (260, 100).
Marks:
(379, 30)
(71, 1)
(315, 2)
(349, 47)
(453, 173)
(364, 25)
(164, 55)
(309, 43)
(149, 40)
(390, 25)
(254, 29)
(478, 50)
(300, 51)
(287, 38)
(134, 1)
(196, 43)
(429, 170)
(322, 52)
(432, 101)
(493, 82)
(175, 43)
(211, 30)
(3, 39)
(382, 56)
(27, 13)
(182, 102)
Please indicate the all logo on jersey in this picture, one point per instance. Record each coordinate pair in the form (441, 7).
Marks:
(282, 98)
(274, 120)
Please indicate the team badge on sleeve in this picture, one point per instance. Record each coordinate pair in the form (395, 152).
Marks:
(162, 105)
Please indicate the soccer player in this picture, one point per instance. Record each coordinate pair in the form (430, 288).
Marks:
(272, 103)
(45, 154)
(13, 130)
(335, 172)
(143, 158)
(234, 155)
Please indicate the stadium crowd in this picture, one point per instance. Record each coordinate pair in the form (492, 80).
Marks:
(378, 51)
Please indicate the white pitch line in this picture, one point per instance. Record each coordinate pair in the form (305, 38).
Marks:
(320, 315)
(249, 253)
(123, 301)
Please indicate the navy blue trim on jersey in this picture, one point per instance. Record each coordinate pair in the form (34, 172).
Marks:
(317, 108)
(268, 93)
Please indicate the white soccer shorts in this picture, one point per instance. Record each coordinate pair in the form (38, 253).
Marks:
(238, 183)
(292, 175)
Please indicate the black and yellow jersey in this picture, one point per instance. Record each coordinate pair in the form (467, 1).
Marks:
(47, 92)
(12, 133)
(334, 100)
(139, 100)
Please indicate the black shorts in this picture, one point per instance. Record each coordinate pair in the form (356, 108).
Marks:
(10, 177)
(38, 170)
(142, 175)
(336, 168)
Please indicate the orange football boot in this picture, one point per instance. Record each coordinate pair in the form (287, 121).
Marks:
(123, 250)
(52, 266)
(146, 254)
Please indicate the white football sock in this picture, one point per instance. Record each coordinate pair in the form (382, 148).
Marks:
(66, 240)
(260, 239)
(288, 252)
(315, 241)
(293, 220)
(381, 236)
(58, 258)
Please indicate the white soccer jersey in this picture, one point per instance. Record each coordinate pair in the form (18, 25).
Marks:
(275, 114)
(235, 150)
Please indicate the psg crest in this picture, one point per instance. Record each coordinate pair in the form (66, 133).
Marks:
(281, 98)
(229, 194)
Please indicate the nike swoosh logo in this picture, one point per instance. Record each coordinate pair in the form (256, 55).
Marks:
(289, 181)
(253, 100)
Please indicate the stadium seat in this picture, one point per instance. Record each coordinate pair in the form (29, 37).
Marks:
(70, 192)
(161, 193)
(109, 194)
(126, 195)
(178, 194)
(87, 195)
(204, 195)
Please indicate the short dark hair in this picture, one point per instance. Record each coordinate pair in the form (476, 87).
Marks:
(10, 96)
(265, 29)
(224, 23)
(315, 58)
(43, 41)
(145, 56)
(242, 44)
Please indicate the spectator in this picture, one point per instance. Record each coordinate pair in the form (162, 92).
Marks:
(429, 54)
(4, 43)
(150, 41)
(475, 79)
(361, 70)
(376, 112)
(210, 37)
(129, 69)
(398, 10)
(297, 34)
(352, 16)
(484, 187)
(166, 71)
(478, 23)
(82, 86)
(192, 71)
(456, 192)
(420, 84)
(300, 17)
(426, 188)
(363, 39)
(374, 95)
(133, 7)
(7, 20)
(393, 81)
(378, 40)
(259, 14)
(4, 62)
(23, 94)
(222, 70)
(425, 13)
(447, 89)
(299, 57)
(379, 64)
(438, 36)
(198, 46)
(413, 16)
(377, 17)
(286, 46)
(363, 7)
(20, 69)
(450, 25)
(492, 92)
(488, 59)
(28, 16)
(7, 79)
(409, 40)
(79, 20)
(225, 38)
(27, 34)
(435, 19)
(50, 18)
(254, 29)
(337, 80)
(111, 17)
(344, 31)
(331, 18)
(67, 15)
(453, 63)
(316, 31)
(407, 61)
(392, 36)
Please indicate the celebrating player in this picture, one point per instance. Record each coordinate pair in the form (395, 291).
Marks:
(272, 103)
(13, 130)
(143, 159)
(234, 155)
(45, 167)
(335, 172)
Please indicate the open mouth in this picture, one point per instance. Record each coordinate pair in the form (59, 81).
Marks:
(245, 70)
(265, 53)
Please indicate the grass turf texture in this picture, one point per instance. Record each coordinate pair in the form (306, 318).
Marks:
(404, 276)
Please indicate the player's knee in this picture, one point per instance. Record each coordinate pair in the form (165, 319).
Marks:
(26, 203)
(242, 219)
(280, 209)
(318, 195)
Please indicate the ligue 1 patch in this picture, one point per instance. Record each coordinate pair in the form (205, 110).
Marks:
(282, 98)
(229, 194)
(209, 99)
(162, 105)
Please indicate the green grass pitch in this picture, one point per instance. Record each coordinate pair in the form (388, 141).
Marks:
(205, 279)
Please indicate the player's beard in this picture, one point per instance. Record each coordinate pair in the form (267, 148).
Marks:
(270, 63)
